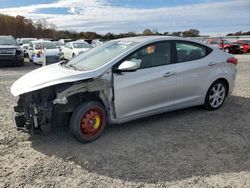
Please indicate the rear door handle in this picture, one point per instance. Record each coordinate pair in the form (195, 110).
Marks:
(169, 74)
(212, 64)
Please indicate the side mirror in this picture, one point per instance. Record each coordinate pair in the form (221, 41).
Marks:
(128, 66)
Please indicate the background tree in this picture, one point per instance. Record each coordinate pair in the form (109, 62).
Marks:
(191, 33)
(177, 33)
(20, 26)
(147, 32)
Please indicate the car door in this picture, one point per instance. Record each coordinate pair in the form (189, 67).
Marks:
(194, 68)
(150, 89)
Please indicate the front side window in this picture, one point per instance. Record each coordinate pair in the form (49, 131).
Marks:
(187, 51)
(152, 55)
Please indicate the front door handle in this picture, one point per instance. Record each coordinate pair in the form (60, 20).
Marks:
(169, 74)
(212, 64)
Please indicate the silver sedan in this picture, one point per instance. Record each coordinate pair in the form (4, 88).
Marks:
(123, 80)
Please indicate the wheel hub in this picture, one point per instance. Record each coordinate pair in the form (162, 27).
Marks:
(217, 95)
(91, 122)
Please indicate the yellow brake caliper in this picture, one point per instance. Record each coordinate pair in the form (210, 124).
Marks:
(97, 122)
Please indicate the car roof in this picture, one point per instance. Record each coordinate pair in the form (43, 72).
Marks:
(78, 42)
(26, 38)
(148, 38)
(156, 38)
(6, 36)
(41, 41)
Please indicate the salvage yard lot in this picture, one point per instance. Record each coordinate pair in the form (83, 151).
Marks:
(186, 148)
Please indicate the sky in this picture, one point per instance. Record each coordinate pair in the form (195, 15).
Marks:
(213, 17)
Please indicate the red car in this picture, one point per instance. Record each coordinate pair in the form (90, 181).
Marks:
(245, 44)
(234, 48)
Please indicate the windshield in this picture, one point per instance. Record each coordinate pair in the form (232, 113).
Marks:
(7, 41)
(47, 45)
(27, 41)
(81, 45)
(58, 43)
(99, 56)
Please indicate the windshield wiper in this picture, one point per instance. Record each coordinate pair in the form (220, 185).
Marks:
(65, 61)
(73, 66)
(70, 66)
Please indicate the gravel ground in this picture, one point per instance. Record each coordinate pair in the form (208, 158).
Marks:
(186, 148)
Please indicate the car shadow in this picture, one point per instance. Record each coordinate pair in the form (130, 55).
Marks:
(166, 147)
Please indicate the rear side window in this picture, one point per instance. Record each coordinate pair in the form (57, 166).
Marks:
(188, 51)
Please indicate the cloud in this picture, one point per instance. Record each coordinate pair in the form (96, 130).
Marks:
(102, 16)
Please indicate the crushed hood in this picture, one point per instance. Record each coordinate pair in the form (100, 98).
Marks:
(48, 76)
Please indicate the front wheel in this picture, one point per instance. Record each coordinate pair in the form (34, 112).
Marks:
(216, 95)
(88, 121)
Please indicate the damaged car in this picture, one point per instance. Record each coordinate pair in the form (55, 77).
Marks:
(123, 80)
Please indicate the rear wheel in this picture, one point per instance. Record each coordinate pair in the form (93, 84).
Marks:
(216, 95)
(88, 121)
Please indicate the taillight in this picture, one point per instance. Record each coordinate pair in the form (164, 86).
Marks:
(232, 60)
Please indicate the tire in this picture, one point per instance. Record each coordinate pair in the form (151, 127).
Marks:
(88, 121)
(216, 95)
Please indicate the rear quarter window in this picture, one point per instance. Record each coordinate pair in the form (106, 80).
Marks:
(189, 51)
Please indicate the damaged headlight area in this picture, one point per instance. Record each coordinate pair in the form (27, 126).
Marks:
(34, 110)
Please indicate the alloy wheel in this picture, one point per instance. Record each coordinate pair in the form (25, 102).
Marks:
(217, 95)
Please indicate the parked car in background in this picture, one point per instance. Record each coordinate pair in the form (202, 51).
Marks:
(96, 42)
(234, 48)
(58, 44)
(245, 45)
(38, 48)
(85, 40)
(123, 80)
(65, 40)
(217, 43)
(73, 49)
(225, 45)
(46, 39)
(24, 44)
(10, 52)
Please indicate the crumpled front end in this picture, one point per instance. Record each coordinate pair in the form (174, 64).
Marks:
(40, 109)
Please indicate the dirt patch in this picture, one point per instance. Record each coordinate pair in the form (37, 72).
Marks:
(187, 148)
